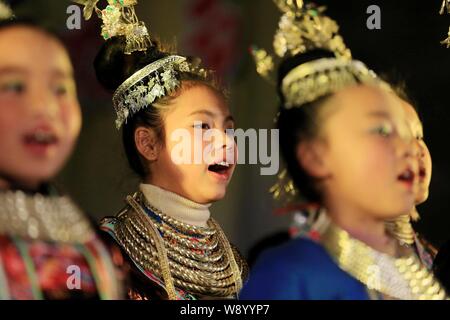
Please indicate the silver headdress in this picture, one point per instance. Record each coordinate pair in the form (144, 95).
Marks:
(5, 11)
(119, 19)
(156, 80)
(303, 28)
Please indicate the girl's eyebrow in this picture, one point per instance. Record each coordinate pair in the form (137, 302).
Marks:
(13, 70)
(57, 73)
(379, 114)
(229, 118)
(206, 112)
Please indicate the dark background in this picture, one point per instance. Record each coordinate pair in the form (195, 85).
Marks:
(220, 31)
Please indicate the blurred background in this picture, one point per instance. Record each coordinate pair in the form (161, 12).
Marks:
(221, 32)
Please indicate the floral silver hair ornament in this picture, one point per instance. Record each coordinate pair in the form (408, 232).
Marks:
(5, 11)
(119, 19)
(303, 28)
(156, 80)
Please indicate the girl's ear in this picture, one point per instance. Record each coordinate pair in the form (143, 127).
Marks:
(147, 143)
(311, 155)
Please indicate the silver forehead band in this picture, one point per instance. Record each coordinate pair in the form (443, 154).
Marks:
(312, 80)
(144, 87)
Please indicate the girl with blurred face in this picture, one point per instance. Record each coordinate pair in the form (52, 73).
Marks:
(424, 156)
(354, 154)
(401, 226)
(40, 117)
(42, 235)
(167, 107)
(373, 146)
(350, 150)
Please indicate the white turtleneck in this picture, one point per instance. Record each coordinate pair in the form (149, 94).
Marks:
(175, 206)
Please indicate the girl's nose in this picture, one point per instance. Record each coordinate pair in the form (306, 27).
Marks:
(42, 104)
(224, 142)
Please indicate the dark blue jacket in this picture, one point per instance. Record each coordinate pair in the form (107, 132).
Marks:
(300, 270)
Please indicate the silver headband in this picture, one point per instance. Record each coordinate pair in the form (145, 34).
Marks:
(137, 93)
(312, 80)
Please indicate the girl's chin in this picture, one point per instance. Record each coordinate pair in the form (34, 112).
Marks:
(27, 184)
(215, 195)
(421, 196)
(31, 176)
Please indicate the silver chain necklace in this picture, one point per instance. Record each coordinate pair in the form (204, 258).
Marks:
(39, 217)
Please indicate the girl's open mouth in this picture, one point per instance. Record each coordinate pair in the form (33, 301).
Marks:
(407, 177)
(39, 141)
(422, 174)
(221, 170)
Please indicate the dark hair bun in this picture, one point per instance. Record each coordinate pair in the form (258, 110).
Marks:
(113, 66)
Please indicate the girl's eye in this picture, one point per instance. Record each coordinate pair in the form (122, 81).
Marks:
(60, 90)
(203, 126)
(14, 87)
(419, 137)
(383, 130)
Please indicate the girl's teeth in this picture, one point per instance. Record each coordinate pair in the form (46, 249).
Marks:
(42, 137)
(407, 175)
(223, 163)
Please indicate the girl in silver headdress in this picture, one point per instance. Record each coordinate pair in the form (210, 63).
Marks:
(350, 150)
(165, 105)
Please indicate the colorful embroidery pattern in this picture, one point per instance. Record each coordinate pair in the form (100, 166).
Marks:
(35, 270)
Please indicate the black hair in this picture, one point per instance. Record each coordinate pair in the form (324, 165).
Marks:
(113, 67)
